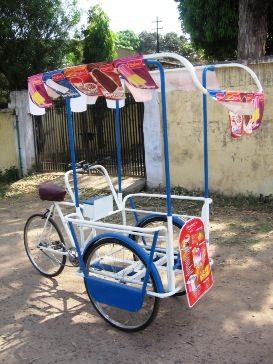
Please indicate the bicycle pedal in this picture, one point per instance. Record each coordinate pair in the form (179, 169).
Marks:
(56, 245)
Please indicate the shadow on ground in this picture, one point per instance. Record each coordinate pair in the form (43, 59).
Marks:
(51, 320)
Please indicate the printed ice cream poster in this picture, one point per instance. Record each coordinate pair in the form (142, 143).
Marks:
(93, 80)
(195, 261)
(245, 110)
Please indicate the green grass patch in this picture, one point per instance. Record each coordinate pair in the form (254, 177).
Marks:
(265, 227)
(239, 240)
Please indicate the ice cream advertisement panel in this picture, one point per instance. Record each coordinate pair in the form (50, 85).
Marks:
(195, 261)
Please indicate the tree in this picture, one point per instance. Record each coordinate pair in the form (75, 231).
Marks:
(33, 37)
(99, 40)
(74, 52)
(253, 27)
(269, 38)
(230, 28)
(127, 39)
(212, 25)
(148, 42)
(170, 42)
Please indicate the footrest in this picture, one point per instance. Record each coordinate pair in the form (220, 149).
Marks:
(115, 294)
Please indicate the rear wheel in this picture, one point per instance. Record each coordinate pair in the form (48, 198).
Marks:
(42, 233)
(161, 220)
(114, 260)
(156, 221)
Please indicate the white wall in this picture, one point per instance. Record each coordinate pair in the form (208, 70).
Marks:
(153, 142)
(19, 102)
(236, 166)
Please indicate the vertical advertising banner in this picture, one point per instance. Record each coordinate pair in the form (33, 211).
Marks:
(195, 261)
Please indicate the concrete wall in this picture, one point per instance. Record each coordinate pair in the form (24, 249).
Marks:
(153, 142)
(19, 103)
(236, 165)
(8, 147)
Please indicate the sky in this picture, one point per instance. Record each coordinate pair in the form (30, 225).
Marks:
(137, 15)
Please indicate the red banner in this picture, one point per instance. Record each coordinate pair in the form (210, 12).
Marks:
(195, 261)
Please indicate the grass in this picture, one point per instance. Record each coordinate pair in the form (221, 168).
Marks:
(245, 202)
(26, 185)
(240, 240)
(29, 184)
(247, 219)
(3, 189)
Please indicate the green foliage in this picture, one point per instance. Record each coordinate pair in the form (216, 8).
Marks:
(170, 42)
(74, 53)
(9, 175)
(212, 25)
(33, 36)
(4, 91)
(269, 40)
(148, 42)
(127, 39)
(99, 40)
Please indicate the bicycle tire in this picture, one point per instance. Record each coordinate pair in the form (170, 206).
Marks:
(116, 317)
(150, 220)
(55, 263)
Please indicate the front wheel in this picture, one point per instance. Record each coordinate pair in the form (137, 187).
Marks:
(112, 259)
(43, 242)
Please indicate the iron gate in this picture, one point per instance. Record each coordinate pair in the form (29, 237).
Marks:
(94, 137)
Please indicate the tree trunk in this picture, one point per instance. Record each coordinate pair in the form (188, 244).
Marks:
(253, 27)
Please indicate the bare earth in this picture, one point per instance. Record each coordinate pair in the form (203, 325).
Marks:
(52, 321)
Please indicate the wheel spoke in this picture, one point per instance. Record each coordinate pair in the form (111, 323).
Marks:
(122, 262)
(38, 233)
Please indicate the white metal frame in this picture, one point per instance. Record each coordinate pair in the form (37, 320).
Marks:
(86, 225)
(167, 255)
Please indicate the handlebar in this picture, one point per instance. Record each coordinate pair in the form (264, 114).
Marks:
(86, 166)
(184, 62)
(192, 69)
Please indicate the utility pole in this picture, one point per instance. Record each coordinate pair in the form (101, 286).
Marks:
(157, 35)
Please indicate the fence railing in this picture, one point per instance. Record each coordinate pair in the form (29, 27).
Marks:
(94, 137)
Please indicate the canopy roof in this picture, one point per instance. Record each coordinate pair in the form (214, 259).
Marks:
(84, 83)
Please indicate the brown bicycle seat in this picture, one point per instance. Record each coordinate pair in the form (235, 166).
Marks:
(51, 192)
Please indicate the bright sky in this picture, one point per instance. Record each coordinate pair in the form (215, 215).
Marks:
(137, 15)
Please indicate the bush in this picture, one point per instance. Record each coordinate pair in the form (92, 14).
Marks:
(9, 175)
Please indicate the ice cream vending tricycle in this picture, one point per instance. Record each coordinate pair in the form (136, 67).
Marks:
(127, 268)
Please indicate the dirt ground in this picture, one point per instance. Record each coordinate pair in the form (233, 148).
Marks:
(52, 321)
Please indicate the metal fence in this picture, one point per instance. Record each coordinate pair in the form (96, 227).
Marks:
(94, 137)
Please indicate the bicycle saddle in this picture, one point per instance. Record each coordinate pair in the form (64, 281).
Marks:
(51, 192)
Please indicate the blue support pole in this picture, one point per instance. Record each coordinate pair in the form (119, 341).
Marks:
(148, 268)
(118, 143)
(78, 249)
(133, 206)
(165, 133)
(69, 118)
(205, 131)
